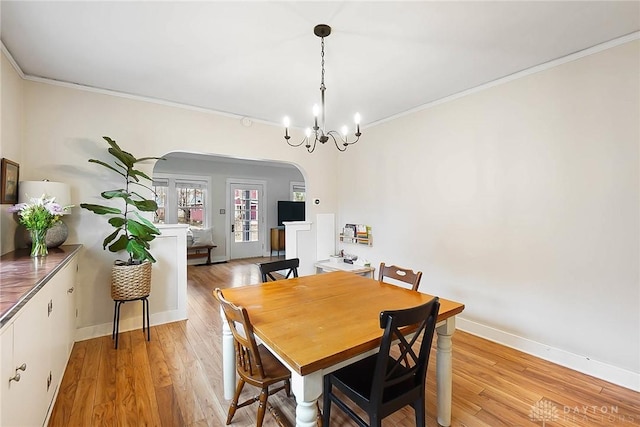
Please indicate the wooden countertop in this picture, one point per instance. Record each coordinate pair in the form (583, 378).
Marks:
(21, 276)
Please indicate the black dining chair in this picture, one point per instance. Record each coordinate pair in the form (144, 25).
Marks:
(382, 384)
(268, 268)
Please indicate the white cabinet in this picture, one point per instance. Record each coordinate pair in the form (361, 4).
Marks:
(62, 320)
(7, 370)
(24, 398)
(36, 344)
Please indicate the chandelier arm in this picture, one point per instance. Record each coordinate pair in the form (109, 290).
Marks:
(305, 139)
(345, 140)
(311, 148)
(357, 139)
(333, 134)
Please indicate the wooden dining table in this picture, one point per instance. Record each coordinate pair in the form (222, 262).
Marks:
(317, 324)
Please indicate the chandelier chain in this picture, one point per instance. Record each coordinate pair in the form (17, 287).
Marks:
(322, 87)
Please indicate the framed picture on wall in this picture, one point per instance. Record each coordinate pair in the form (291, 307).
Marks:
(10, 175)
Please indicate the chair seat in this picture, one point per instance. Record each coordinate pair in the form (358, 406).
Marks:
(274, 369)
(358, 386)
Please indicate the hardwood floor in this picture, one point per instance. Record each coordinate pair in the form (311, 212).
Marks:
(176, 379)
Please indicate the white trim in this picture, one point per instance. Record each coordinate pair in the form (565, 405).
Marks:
(130, 324)
(292, 228)
(141, 98)
(580, 363)
(517, 75)
(12, 61)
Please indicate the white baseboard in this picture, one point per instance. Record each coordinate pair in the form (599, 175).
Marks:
(613, 374)
(129, 324)
(202, 261)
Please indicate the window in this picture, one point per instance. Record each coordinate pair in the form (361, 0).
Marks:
(181, 200)
(190, 201)
(298, 191)
(160, 187)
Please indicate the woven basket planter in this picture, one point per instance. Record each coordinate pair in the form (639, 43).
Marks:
(130, 282)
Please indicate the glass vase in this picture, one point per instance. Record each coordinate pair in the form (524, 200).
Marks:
(39, 243)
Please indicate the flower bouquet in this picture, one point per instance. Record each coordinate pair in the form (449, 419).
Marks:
(39, 215)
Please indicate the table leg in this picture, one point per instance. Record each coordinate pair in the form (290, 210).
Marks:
(307, 390)
(444, 371)
(228, 359)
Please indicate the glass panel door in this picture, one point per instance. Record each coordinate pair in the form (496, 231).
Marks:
(247, 235)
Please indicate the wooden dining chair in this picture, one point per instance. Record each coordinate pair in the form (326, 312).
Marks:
(381, 384)
(268, 268)
(402, 274)
(254, 363)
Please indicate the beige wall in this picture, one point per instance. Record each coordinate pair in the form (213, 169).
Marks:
(521, 201)
(11, 134)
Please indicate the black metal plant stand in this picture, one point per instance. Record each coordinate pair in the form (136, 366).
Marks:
(116, 317)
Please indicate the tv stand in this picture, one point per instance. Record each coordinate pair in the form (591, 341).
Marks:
(277, 242)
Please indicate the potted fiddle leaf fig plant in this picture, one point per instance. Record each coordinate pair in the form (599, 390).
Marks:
(131, 278)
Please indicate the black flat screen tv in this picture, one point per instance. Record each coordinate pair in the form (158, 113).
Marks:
(290, 211)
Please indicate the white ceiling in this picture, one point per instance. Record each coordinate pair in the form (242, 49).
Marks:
(261, 59)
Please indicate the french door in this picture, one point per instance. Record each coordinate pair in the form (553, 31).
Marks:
(247, 227)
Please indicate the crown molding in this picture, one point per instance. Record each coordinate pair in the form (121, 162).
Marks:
(517, 75)
(12, 61)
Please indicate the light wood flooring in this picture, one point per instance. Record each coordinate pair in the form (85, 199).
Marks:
(175, 379)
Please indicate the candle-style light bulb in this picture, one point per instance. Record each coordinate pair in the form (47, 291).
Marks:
(345, 130)
(356, 119)
(307, 132)
(286, 127)
(316, 111)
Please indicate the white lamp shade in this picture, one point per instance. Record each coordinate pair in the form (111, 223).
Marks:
(35, 189)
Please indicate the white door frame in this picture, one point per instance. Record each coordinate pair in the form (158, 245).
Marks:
(262, 213)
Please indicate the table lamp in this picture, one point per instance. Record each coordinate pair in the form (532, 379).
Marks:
(57, 234)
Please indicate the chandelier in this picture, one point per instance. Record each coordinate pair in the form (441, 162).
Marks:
(318, 133)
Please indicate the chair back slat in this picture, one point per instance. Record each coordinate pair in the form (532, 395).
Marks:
(290, 266)
(247, 354)
(401, 274)
(410, 368)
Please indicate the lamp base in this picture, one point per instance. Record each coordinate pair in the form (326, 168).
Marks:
(56, 235)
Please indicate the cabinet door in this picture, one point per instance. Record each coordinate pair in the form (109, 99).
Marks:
(7, 370)
(62, 320)
(24, 402)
